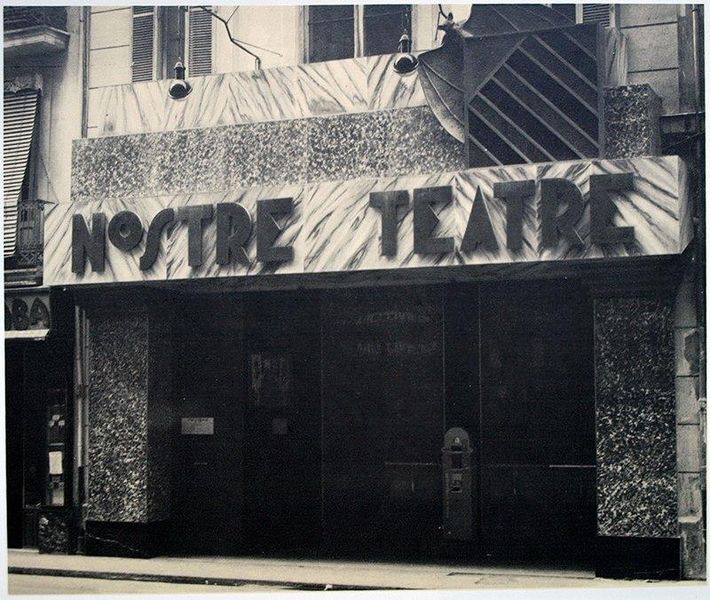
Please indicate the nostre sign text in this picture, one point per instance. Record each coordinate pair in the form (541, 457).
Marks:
(572, 210)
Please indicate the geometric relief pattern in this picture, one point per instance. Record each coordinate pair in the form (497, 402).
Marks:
(533, 97)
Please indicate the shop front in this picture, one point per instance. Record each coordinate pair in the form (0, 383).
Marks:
(472, 363)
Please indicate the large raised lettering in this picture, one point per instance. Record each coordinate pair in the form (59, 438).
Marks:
(514, 193)
(555, 193)
(194, 216)
(479, 231)
(85, 244)
(267, 230)
(152, 242)
(425, 221)
(603, 208)
(233, 230)
(388, 203)
(125, 230)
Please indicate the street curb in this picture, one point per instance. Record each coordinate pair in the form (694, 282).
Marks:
(193, 579)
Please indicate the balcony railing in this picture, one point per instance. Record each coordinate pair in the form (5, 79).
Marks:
(21, 17)
(30, 225)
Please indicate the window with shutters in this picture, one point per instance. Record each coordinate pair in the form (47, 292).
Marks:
(596, 13)
(22, 212)
(164, 35)
(345, 30)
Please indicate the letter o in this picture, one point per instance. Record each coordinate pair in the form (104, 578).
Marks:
(125, 230)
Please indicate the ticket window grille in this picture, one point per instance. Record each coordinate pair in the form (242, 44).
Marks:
(335, 32)
(164, 35)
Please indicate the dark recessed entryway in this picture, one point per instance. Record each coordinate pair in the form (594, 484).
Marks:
(536, 432)
(329, 409)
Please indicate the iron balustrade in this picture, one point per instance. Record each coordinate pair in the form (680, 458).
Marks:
(21, 17)
(30, 224)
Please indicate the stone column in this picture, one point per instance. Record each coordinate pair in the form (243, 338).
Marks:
(637, 504)
(129, 431)
(690, 421)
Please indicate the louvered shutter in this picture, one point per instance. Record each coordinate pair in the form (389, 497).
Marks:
(597, 13)
(20, 118)
(143, 42)
(200, 43)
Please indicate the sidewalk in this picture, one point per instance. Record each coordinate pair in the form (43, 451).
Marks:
(307, 574)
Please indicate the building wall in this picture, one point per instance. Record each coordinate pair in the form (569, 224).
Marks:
(60, 109)
(657, 46)
(657, 49)
(116, 106)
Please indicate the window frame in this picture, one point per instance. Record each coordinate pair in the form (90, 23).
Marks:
(161, 69)
(613, 14)
(359, 33)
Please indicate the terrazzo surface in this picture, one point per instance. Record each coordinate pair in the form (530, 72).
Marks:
(631, 121)
(378, 143)
(635, 418)
(118, 405)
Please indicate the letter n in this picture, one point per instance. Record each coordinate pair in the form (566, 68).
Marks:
(85, 244)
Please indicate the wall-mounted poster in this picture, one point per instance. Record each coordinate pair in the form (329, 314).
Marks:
(271, 379)
(197, 426)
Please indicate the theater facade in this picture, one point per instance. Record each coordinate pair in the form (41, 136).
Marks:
(317, 315)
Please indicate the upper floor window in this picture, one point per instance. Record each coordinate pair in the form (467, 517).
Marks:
(22, 225)
(587, 13)
(164, 35)
(596, 13)
(345, 30)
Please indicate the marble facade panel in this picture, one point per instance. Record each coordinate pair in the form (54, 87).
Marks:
(333, 228)
(294, 92)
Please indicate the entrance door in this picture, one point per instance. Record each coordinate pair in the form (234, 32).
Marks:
(383, 420)
(208, 397)
(537, 421)
(282, 423)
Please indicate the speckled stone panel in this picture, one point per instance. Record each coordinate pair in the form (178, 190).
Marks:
(129, 453)
(54, 531)
(118, 405)
(120, 166)
(632, 125)
(635, 418)
(264, 154)
(160, 414)
(394, 142)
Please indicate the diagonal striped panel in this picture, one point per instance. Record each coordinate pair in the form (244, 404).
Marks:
(532, 97)
(19, 117)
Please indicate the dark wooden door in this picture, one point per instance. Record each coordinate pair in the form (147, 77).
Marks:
(208, 388)
(383, 419)
(282, 423)
(537, 455)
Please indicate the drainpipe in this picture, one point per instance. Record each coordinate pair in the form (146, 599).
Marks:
(85, 19)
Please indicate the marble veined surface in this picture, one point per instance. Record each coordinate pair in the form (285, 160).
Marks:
(333, 227)
(293, 92)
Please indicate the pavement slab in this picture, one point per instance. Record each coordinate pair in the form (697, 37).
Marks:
(308, 574)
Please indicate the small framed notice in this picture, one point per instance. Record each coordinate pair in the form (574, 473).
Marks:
(197, 425)
(55, 462)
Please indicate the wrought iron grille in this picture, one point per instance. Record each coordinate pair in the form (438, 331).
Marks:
(20, 17)
(30, 224)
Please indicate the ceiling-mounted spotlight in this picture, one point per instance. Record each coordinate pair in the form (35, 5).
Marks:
(405, 62)
(179, 88)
